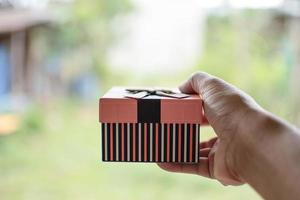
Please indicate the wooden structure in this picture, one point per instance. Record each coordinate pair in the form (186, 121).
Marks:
(22, 62)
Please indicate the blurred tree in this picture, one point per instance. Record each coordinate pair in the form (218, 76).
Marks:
(85, 34)
(246, 48)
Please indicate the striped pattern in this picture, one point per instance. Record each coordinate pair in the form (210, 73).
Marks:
(150, 142)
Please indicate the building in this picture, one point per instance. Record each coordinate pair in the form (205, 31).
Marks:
(20, 63)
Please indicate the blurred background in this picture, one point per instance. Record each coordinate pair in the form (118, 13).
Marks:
(57, 57)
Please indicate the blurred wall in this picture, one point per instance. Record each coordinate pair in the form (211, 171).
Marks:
(159, 36)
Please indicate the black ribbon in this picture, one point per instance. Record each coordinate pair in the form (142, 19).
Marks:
(149, 109)
(142, 93)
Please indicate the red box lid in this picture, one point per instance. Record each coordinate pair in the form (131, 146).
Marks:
(115, 107)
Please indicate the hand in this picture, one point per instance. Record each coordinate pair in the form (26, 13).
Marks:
(230, 112)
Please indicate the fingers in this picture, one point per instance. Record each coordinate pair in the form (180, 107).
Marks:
(208, 144)
(219, 99)
(211, 157)
(213, 89)
(198, 83)
(192, 85)
(201, 168)
(195, 84)
(204, 152)
(204, 120)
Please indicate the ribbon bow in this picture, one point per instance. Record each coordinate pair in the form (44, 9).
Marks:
(142, 93)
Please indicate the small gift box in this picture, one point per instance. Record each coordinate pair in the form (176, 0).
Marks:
(150, 125)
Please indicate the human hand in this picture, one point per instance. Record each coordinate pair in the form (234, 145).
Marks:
(230, 112)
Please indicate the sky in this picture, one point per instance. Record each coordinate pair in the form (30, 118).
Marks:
(160, 35)
(163, 35)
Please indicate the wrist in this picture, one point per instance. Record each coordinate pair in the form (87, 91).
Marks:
(265, 154)
(257, 140)
(245, 144)
(257, 129)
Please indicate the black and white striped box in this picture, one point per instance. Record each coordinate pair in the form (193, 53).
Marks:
(150, 142)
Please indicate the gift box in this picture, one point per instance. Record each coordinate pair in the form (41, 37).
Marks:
(150, 125)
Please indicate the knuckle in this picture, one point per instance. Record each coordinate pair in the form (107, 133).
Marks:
(198, 74)
(213, 81)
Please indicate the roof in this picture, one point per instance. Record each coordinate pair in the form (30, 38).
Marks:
(16, 20)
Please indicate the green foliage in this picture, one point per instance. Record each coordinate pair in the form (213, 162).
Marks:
(241, 49)
(84, 35)
(32, 121)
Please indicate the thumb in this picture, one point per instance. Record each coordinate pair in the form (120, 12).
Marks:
(202, 84)
(210, 89)
(219, 97)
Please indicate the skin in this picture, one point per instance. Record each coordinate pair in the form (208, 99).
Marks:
(252, 145)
